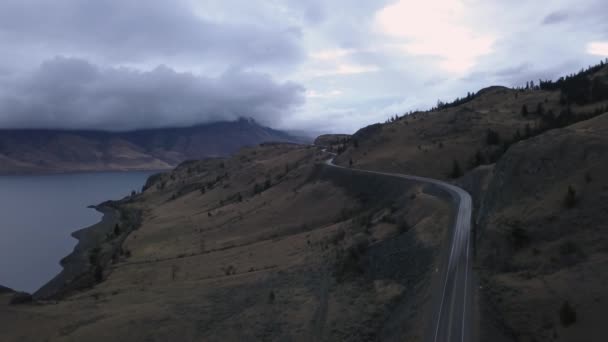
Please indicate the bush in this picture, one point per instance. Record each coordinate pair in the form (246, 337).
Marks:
(570, 200)
(492, 137)
(403, 226)
(519, 237)
(524, 110)
(570, 248)
(98, 273)
(21, 298)
(456, 170)
(567, 315)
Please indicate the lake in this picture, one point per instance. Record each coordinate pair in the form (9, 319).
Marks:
(38, 214)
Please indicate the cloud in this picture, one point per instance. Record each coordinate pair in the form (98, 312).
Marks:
(555, 17)
(132, 31)
(598, 49)
(352, 55)
(73, 93)
(436, 28)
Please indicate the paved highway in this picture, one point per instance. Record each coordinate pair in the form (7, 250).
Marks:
(452, 312)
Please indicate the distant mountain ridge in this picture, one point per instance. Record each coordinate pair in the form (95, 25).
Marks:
(26, 151)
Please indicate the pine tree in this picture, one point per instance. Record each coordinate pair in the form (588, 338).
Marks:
(456, 170)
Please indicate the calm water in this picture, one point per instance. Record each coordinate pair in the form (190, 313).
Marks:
(38, 214)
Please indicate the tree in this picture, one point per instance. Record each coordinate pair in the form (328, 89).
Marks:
(570, 200)
(116, 229)
(478, 159)
(567, 315)
(528, 131)
(524, 110)
(492, 137)
(456, 170)
(540, 110)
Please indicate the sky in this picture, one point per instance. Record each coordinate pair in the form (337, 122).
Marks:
(318, 65)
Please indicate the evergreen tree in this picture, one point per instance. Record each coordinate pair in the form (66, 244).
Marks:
(456, 170)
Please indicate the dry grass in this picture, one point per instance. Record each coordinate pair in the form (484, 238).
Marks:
(206, 266)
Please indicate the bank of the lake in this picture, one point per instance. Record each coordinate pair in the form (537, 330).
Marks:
(41, 220)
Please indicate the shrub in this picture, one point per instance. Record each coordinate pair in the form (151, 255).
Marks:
(570, 199)
(98, 273)
(519, 237)
(403, 226)
(570, 248)
(230, 270)
(492, 137)
(567, 315)
(21, 298)
(456, 170)
(389, 219)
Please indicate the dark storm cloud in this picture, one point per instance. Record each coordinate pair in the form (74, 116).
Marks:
(73, 93)
(132, 30)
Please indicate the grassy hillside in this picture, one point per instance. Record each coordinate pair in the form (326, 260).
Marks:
(535, 162)
(476, 131)
(266, 245)
(543, 237)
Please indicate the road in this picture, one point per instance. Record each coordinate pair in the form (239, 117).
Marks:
(452, 303)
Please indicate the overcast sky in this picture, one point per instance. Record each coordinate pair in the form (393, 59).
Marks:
(317, 65)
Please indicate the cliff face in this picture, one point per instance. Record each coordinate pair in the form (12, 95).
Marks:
(39, 151)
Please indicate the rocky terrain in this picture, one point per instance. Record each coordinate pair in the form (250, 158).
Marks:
(47, 151)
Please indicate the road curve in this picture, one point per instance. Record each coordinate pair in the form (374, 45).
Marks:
(452, 312)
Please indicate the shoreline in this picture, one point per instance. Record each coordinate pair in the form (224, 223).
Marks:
(77, 270)
(71, 172)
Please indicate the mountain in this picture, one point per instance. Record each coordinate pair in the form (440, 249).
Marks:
(47, 151)
(535, 162)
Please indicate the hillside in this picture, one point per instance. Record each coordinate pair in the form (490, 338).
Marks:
(47, 151)
(535, 162)
(476, 130)
(266, 245)
(543, 233)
